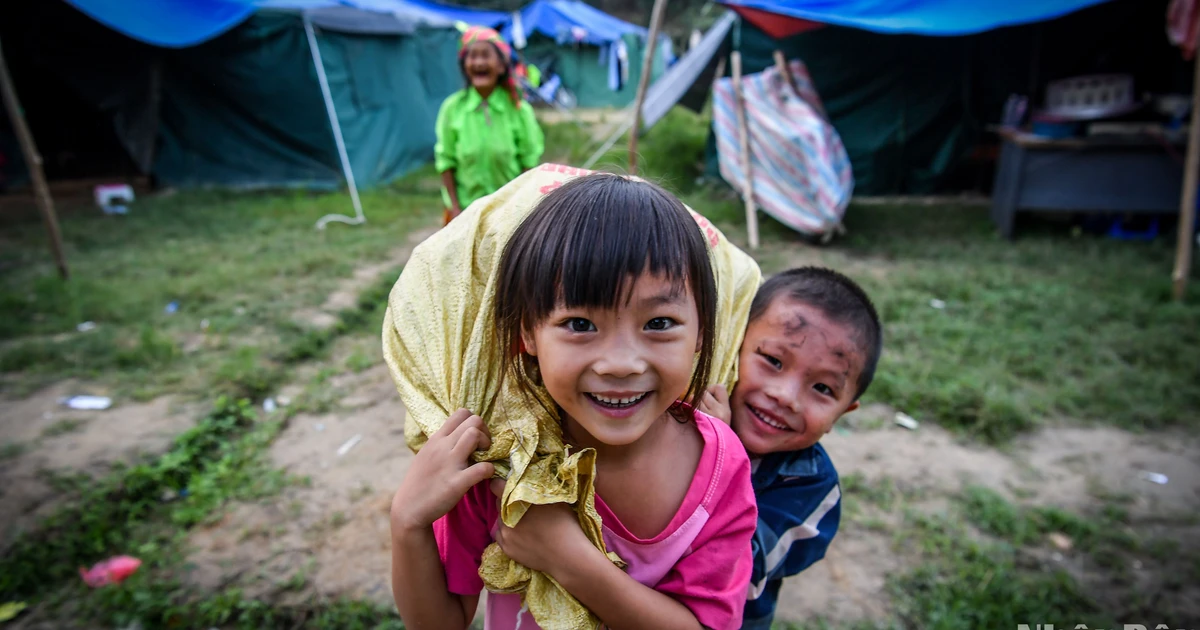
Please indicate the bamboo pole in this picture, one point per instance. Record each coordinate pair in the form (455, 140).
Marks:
(33, 160)
(1187, 202)
(781, 65)
(744, 140)
(644, 81)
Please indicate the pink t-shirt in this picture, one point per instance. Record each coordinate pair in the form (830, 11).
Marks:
(702, 559)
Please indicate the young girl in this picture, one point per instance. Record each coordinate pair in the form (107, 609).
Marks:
(607, 291)
(486, 136)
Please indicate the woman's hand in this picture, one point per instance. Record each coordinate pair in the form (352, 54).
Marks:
(547, 537)
(441, 473)
(715, 403)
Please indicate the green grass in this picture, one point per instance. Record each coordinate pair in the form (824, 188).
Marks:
(968, 583)
(246, 263)
(1104, 535)
(671, 154)
(63, 427)
(1044, 327)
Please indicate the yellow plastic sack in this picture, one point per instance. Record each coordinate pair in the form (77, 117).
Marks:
(438, 340)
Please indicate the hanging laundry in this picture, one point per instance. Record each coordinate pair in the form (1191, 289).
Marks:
(623, 55)
(618, 65)
(667, 51)
(613, 60)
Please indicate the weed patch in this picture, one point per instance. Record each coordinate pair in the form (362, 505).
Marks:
(214, 461)
(966, 583)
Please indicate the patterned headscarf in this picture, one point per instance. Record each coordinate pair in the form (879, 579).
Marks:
(474, 34)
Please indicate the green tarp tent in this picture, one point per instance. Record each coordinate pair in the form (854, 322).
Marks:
(584, 44)
(584, 71)
(244, 109)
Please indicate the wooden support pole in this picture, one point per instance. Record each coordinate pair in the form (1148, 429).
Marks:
(739, 103)
(656, 15)
(33, 160)
(782, 66)
(1187, 202)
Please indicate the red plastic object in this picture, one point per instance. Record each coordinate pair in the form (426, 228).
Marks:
(111, 571)
(773, 24)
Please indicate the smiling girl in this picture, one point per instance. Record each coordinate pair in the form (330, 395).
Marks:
(486, 135)
(606, 295)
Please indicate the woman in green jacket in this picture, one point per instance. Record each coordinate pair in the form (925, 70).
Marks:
(486, 135)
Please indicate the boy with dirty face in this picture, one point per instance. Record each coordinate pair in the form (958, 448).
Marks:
(810, 351)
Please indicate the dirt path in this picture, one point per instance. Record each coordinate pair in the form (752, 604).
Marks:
(333, 530)
(40, 435)
(1066, 467)
(334, 533)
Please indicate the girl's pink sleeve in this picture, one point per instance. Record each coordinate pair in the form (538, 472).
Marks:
(462, 535)
(713, 579)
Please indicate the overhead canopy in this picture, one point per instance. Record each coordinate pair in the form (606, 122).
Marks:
(184, 23)
(572, 21)
(344, 19)
(474, 17)
(922, 17)
(174, 24)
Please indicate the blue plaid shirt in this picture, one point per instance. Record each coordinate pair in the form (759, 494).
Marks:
(799, 508)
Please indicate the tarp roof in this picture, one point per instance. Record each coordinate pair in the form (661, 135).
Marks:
(174, 24)
(183, 23)
(475, 17)
(572, 20)
(924, 17)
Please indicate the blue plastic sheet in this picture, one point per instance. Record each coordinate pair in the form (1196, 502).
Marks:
(183, 23)
(173, 24)
(474, 17)
(925, 17)
(573, 21)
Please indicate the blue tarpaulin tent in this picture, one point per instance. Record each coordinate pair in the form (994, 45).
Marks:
(919, 17)
(474, 17)
(183, 23)
(173, 24)
(597, 56)
(562, 19)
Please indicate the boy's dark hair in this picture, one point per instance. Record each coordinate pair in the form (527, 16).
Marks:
(582, 246)
(839, 298)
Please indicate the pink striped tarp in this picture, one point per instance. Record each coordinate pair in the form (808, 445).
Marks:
(802, 175)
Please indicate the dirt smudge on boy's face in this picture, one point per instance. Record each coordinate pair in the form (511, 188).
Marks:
(797, 330)
(794, 325)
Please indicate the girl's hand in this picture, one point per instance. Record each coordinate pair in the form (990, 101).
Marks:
(547, 537)
(441, 473)
(715, 403)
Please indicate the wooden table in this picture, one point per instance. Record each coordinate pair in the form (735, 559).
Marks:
(1118, 173)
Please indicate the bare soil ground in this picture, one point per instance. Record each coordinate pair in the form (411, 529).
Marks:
(334, 533)
(328, 537)
(43, 438)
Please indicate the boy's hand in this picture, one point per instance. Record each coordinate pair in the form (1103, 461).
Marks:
(715, 403)
(547, 537)
(441, 473)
